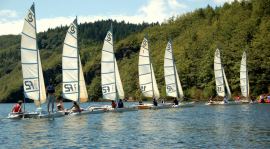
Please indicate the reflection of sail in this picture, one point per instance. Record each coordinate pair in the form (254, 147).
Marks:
(33, 81)
(173, 85)
(244, 81)
(34, 129)
(74, 87)
(147, 80)
(111, 122)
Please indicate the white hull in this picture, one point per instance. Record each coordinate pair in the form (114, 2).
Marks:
(35, 115)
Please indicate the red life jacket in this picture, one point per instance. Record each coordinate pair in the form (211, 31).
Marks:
(17, 108)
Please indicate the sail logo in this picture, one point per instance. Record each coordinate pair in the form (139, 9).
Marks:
(168, 48)
(144, 44)
(217, 53)
(109, 37)
(143, 88)
(219, 89)
(69, 88)
(106, 89)
(30, 85)
(72, 29)
(170, 89)
(30, 17)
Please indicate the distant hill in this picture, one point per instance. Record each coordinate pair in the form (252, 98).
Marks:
(233, 28)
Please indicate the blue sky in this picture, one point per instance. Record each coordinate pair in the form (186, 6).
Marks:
(52, 13)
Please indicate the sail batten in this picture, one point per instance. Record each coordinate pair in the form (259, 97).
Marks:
(73, 83)
(33, 81)
(172, 81)
(147, 80)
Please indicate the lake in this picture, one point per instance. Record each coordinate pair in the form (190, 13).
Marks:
(234, 126)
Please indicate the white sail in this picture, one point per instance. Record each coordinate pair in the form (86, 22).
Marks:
(156, 91)
(108, 74)
(244, 81)
(147, 79)
(179, 86)
(83, 90)
(33, 81)
(219, 74)
(173, 85)
(226, 84)
(119, 85)
(73, 81)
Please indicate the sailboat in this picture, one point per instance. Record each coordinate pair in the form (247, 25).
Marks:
(222, 86)
(33, 81)
(147, 79)
(112, 88)
(172, 81)
(73, 83)
(244, 81)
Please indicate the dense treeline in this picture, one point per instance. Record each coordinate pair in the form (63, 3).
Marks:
(233, 28)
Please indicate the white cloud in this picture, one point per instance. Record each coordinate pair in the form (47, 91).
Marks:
(153, 11)
(8, 13)
(222, 1)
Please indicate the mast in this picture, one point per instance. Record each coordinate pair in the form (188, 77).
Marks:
(175, 79)
(151, 67)
(37, 55)
(78, 62)
(116, 90)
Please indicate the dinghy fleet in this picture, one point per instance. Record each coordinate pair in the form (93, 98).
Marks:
(73, 82)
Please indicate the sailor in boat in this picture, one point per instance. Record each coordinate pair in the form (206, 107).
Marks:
(75, 107)
(113, 104)
(50, 96)
(268, 98)
(262, 99)
(120, 104)
(225, 100)
(60, 104)
(17, 108)
(175, 101)
(140, 102)
(210, 100)
(155, 103)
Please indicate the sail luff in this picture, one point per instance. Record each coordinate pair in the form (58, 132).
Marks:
(220, 89)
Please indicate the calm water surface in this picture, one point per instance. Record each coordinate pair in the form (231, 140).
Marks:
(235, 126)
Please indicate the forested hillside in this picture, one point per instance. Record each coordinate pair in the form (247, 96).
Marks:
(232, 28)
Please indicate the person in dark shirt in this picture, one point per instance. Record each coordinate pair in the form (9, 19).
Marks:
(120, 104)
(155, 103)
(50, 97)
(175, 101)
(113, 104)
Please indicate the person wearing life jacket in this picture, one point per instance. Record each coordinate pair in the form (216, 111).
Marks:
(120, 104)
(17, 108)
(155, 103)
(50, 96)
(262, 99)
(113, 104)
(175, 101)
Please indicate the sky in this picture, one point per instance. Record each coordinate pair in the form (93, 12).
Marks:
(53, 13)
